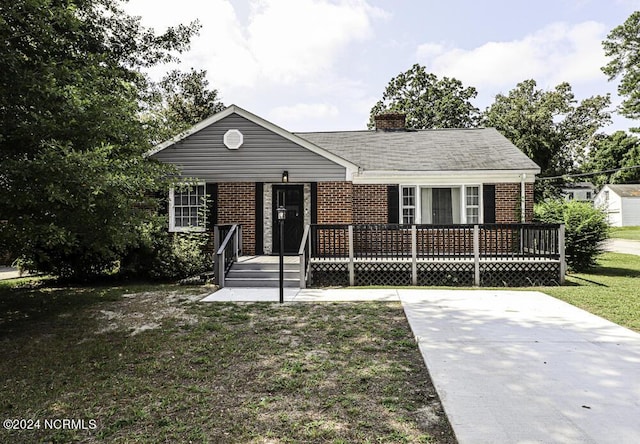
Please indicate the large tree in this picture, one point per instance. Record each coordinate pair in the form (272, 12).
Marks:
(427, 101)
(618, 154)
(179, 101)
(73, 176)
(622, 45)
(550, 127)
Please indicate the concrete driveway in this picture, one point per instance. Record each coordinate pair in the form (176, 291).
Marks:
(523, 367)
(623, 246)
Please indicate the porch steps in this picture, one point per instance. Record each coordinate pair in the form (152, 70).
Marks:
(261, 274)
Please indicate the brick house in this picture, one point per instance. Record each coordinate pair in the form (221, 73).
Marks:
(248, 167)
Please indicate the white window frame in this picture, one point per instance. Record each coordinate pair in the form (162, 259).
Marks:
(466, 205)
(463, 201)
(413, 207)
(172, 211)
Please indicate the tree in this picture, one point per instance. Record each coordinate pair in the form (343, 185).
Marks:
(623, 46)
(74, 179)
(427, 101)
(179, 101)
(615, 151)
(548, 126)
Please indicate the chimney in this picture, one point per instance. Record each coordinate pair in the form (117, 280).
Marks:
(390, 122)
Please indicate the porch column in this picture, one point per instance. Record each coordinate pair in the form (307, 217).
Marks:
(414, 255)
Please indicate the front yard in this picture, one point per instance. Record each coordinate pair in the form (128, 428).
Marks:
(149, 364)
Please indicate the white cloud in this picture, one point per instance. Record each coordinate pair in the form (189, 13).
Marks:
(302, 112)
(558, 52)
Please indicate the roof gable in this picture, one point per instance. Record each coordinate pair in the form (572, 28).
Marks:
(234, 109)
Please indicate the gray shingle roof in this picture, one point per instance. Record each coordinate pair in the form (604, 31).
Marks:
(626, 190)
(424, 150)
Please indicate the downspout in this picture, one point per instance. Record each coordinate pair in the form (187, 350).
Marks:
(523, 198)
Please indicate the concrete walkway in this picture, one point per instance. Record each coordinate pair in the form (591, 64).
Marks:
(512, 367)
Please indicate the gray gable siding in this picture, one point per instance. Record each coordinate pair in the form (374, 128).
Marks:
(263, 156)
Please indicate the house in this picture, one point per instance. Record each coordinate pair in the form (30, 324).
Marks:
(580, 191)
(621, 202)
(250, 166)
(449, 179)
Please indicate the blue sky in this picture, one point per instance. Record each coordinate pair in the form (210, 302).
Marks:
(320, 65)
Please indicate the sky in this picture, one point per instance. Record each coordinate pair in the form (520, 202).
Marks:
(320, 65)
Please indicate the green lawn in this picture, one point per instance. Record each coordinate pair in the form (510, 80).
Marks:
(611, 291)
(632, 233)
(151, 364)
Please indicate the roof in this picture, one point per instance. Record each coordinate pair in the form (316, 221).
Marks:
(628, 190)
(578, 186)
(424, 150)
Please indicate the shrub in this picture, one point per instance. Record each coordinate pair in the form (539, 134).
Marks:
(161, 255)
(586, 228)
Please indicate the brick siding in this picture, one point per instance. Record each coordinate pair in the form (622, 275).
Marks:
(236, 205)
(370, 204)
(508, 202)
(335, 202)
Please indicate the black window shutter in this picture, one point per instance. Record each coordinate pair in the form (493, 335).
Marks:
(393, 204)
(259, 246)
(314, 202)
(211, 189)
(489, 203)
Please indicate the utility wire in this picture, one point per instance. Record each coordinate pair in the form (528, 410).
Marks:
(590, 174)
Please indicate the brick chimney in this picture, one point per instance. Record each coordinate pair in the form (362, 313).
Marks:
(391, 122)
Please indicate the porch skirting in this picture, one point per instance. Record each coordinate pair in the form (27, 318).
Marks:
(493, 272)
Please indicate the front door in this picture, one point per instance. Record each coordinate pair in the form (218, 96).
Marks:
(292, 198)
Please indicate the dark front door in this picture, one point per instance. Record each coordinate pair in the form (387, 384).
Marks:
(442, 206)
(292, 198)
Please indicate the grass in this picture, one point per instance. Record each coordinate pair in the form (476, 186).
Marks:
(611, 290)
(632, 233)
(150, 364)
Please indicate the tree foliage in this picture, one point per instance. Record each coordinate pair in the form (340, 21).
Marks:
(179, 101)
(427, 101)
(550, 127)
(622, 45)
(586, 229)
(74, 179)
(611, 152)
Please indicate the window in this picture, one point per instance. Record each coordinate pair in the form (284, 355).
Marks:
(588, 194)
(440, 206)
(408, 205)
(187, 208)
(473, 205)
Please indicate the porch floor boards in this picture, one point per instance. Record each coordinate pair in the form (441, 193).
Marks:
(268, 259)
(408, 260)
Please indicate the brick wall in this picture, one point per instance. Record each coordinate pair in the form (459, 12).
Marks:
(508, 202)
(370, 204)
(335, 202)
(236, 205)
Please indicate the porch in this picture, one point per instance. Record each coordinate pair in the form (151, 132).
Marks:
(487, 255)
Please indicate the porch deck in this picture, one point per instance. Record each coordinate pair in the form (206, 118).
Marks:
(494, 255)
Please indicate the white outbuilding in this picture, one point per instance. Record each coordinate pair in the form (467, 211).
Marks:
(622, 204)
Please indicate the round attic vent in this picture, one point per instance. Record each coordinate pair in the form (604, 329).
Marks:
(233, 139)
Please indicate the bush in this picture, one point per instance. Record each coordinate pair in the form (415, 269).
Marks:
(586, 229)
(161, 255)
